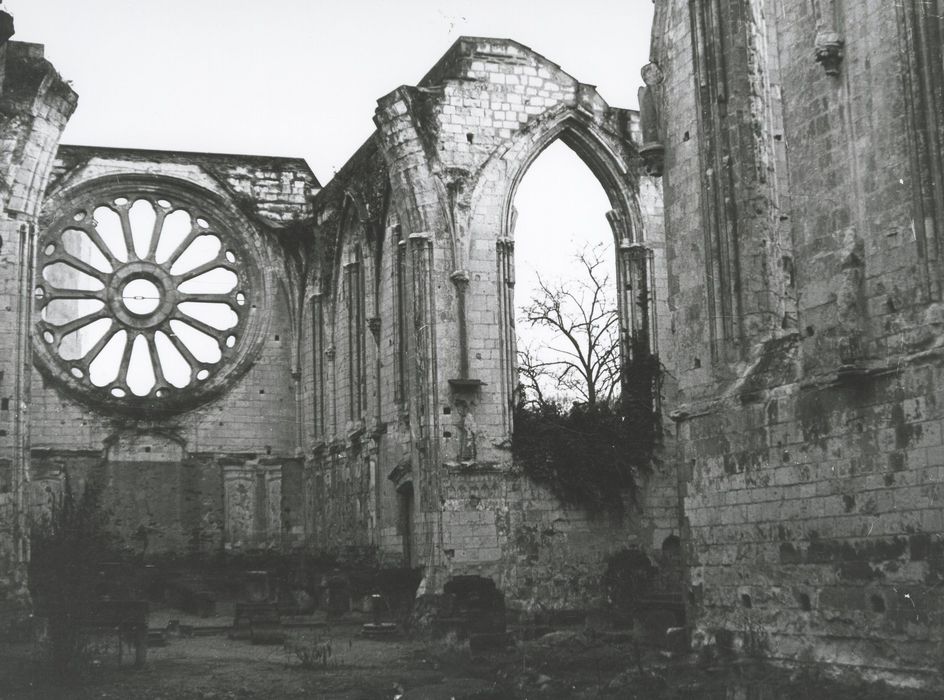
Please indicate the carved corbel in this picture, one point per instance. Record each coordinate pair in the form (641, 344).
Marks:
(650, 96)
(828, 50)
(373, 325)
(653, 155)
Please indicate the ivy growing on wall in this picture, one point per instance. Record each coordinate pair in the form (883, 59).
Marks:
(591, 455)
(586, 420)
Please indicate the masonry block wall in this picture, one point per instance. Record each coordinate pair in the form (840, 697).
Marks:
(360, 399)
(207, 474)
(35, 104)
(353, 369)
(408, 353)
(803, 219)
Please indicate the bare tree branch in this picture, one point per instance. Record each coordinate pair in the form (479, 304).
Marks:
(579, 359)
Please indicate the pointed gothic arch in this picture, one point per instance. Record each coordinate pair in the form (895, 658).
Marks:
(611, 157)
(604, 158)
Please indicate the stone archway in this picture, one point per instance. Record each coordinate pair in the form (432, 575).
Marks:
(610, 155)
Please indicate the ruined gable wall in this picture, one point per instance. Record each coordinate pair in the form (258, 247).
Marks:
(811, 452)
(36, 104)
(190, 481)
(452, 150)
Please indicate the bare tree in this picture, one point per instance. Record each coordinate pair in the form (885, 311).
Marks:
(575, 354)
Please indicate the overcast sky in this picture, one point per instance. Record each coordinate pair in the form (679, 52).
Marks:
(297, 77)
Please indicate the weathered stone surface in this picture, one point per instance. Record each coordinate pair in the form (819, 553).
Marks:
(209, 474)
(35, 104)
(369, 413)
(802, 211)
(408, 425)
(798, 284)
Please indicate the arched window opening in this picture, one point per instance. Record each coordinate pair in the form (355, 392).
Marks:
(356, 321)
(318, 351)
(399, 269)
(372, 283)
(578, 328)
(565, 292)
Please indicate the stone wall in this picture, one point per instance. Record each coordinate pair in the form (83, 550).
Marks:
(365, 403)
(802, 208)
(418, 466)
(798, 303)
(188, 481)
(35, 104)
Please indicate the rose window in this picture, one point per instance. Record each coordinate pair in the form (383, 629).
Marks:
(142, 295)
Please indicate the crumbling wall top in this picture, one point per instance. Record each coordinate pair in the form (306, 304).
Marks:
(277, 190)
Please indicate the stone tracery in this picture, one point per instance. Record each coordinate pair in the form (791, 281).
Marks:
(142, 293)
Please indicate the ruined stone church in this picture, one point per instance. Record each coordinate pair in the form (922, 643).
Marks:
(248, 360)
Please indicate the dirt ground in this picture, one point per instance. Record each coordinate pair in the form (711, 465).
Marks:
(576, 663)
